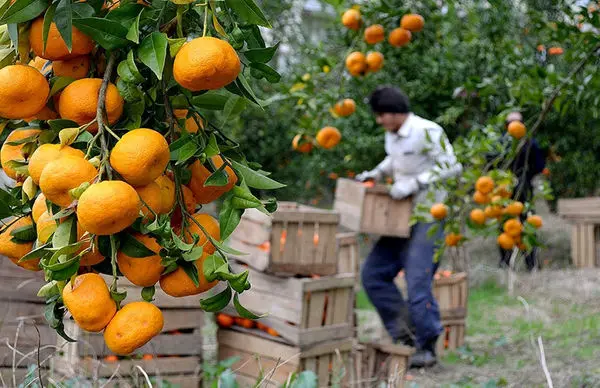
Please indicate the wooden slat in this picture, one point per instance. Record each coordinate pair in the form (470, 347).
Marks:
(575, 207)
(343, 304)
(322, 371)
(316, 308)
(278, 244)
(164, 345)
(349, 198)
(253, 365)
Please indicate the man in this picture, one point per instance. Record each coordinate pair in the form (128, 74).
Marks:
(414, 160)
(529, 162)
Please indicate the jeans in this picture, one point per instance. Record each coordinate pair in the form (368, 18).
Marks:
(415, 256)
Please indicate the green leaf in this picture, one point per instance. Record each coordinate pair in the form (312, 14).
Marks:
(134, 248)
(233, 106)
(109, 34)
(72, 266)
(239, 282)
(7, 56)
(212, 148)
(58, 84)
(23, 11)
(192, 272)
(217, 178)
(118, 296)
(148, 293)
(210, 266)
(133, 112)
(242, 311)
(23, 234)
(254, 178)
(261, 55)
(48, 18)
(184, 153)
(217, 302)
(210, 100)
(175, 45)
(260, 70)
(63, 213)
(226, 249)
(179, 243)
(65, 233)
(125, 14)
(36, 253)
(64, 21)
(82, 10)
(244, 86)
(249, 12)
(305, 379)
(193, 255)
(134, 30)
(153, 52)
(67, 250)
(129, 91)
(58, 124)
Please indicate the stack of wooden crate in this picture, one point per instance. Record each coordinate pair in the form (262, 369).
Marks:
(303, 276)
(173, 357)
(23, 328)
(584, 215)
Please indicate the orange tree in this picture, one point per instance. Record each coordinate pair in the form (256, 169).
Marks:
(469, 64)
(107, 113)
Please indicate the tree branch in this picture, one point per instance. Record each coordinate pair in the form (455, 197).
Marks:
(101, 111)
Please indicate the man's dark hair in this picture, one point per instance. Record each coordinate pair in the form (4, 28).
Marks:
(389, 99)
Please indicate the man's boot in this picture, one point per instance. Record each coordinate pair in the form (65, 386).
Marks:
(425, 357)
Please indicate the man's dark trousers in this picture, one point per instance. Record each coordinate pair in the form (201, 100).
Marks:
(415, 256)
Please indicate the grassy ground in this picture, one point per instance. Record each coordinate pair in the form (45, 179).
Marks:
(561, 307)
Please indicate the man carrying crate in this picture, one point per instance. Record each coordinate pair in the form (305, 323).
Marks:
(415, 158)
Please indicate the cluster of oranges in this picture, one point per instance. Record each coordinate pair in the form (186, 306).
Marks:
(227, 321)
(74, 186)
(358, 63)
(327, 138)
(493, 203)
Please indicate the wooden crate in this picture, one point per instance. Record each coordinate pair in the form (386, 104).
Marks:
(453, 336)
(371, 209)
(584, 215)
(450, 292)
(275, 360)
(296, 240)
(304, 311)
(18, 284)
(381, 363)
(348, 253)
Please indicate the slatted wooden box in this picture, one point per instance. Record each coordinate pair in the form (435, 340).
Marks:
(584, 215)
(295, 240)
(370, 209)
(450, 292)
(348, 253)
(453, 336)
(381, 363)
(175, 355)
(304, 311)
(275, 360)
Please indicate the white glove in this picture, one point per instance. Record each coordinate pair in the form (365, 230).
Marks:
(367, 175)
(404, 188)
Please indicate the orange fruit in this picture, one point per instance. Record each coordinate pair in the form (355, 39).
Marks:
(225, 320)
(481, 198)
(46, 153)
(108, 207)
(328, 137)
(477, 216)
(351, 19)
(77, 67)
(493, 211)
(56, 48)
(503, 191)
(356, 63)
(514, 208)
(143, 271)
(399, 37)
(272, 332)
(151, 197)
(517, 129)
(23, 91)
(39, 207)
(412, 22)
(88, 300)
(167, 193)
(345, 107)
(374, 61)
(535, 220)
(45, 114)
(191, 123)
(140, 156)
(555, 51)
(452, 239)
(207, 194)
(13, 152)
(513, 227)
(132, 327)
(484, 185)
(439, 211)
(14, 250)
(206, 64)
(546, 171)
(189, 199)
(261, 326)
(306, 145)
(40, 64)
(79, 100)
(45, 226)
(178, 283)
(374, 34)
(63, 174)
(210, 224)
(94, 256)
(506, 241)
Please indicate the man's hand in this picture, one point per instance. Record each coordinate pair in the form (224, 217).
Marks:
(369, 175)
(404, 188)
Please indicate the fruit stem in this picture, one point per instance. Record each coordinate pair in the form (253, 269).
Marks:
(113, 262)
(168, 111)
(179, 18)
(205, 20)
(101, 111)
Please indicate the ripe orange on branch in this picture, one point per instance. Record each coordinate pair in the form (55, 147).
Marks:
(517, 129)
(514, 208)
(412, 22)
(484, 185)
(356, 63)
(374, 34)
(535, 221)
(142, 271)
(46, 153)
(481, 198)
(399, 37)
(77, 67)
(345, 107)
(56, 48)
(477, 216)
(88, 300)
(304, 147)
(453, 239)
(23, 91)
(178, 283)
(506, 241)
(207, 194)
(513, 227)
(16, 250)
(63, 174)
(328, 137)
(351, 19)
(374, 61)
(133, 326)
(439, 211)
(13, 152)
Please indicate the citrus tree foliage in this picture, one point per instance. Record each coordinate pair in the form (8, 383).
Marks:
(135, 47)
(472, 63)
